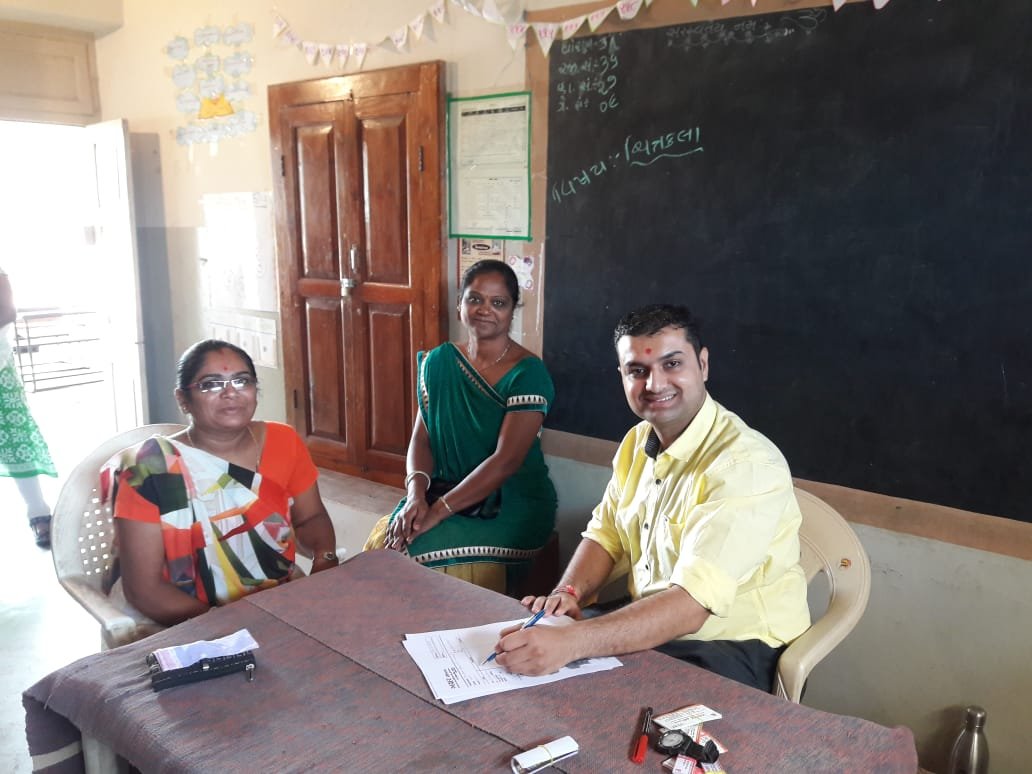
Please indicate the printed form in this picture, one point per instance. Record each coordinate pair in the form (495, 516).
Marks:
(452, 661)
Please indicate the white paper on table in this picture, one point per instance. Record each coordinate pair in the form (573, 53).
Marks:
(178, 656)
(452, 661)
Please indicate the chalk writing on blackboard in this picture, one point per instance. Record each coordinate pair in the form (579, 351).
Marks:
(589, 76)
(763, 30)
(636, 152)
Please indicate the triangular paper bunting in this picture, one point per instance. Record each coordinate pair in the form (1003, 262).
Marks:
(628, 9)
(398, 38)
(546, 33)
(879, 4)
(753, 3)
(838, 3)
(416, 25)
(343, 49)
(278, 25)
(595, 18)
(725, 2)
(491, 13)
(358, 52)
(292, 37)
(468, 7)
(326, 53)
(694, 2)
(570, 26)
(437, 11)
(515, 32)
(311, 49)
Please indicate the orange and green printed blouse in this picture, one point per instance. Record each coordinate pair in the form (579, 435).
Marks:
(226, 529)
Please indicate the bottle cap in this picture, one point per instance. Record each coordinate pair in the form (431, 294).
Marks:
(975, 716)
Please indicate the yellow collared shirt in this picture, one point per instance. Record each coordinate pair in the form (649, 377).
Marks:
(716, 514)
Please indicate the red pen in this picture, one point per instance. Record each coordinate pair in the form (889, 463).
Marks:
(643, 740)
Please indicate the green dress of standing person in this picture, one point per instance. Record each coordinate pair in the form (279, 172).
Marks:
(24, 455)
(479, 504)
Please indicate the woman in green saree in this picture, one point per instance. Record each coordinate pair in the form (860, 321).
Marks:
(481, 406)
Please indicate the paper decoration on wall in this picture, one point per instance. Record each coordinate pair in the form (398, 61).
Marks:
(523, 266)
(515, 30)
(211, 89)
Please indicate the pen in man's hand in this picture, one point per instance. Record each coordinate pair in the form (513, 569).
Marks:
(526, 625)
(643, 740)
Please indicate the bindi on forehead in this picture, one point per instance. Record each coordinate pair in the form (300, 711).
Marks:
(648, 350)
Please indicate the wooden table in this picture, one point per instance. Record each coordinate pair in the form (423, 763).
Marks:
(335, 690)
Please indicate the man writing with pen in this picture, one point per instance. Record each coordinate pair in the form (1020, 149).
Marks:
(701, 515)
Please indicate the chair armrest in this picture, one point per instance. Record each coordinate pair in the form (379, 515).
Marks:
(117, 626)
(808, 649)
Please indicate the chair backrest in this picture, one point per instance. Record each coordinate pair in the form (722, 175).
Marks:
(829, 545)
(81, 532)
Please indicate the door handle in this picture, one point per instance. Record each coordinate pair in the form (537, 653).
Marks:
(348, 283)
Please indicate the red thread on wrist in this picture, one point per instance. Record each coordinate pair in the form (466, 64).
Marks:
(567, 589)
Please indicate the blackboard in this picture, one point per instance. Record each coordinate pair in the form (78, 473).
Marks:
(845, 200)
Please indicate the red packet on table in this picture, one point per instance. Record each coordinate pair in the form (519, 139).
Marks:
(684, 764)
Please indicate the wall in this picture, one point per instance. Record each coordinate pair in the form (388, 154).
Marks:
(946, 624)
(94, 16)
(134, 75)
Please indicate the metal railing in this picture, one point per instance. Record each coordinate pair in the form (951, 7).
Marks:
(57, 348)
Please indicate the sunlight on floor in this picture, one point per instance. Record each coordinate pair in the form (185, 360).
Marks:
(44, 628)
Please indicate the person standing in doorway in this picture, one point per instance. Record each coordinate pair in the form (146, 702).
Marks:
(24, 455)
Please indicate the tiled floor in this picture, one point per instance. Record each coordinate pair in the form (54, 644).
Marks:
(42, 627)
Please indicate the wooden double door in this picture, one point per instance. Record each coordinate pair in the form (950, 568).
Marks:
(358, 189)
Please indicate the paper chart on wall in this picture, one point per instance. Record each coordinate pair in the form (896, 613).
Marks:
(452, 661)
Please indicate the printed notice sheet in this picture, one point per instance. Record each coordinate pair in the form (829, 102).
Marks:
(452, 661)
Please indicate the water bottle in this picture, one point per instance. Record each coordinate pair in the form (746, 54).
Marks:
(970, 753)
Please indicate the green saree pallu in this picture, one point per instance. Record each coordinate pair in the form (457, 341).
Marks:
(463, 414)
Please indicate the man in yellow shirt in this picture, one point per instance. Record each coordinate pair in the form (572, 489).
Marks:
(701, 515)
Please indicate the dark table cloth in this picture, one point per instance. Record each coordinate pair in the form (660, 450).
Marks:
(335, 690)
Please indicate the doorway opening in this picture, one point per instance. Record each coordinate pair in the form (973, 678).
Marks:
(58, 282)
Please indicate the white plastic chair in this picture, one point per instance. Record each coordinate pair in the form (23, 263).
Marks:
(829, 545)
(81, 534)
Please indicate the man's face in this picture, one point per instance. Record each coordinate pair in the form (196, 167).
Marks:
(663, 379)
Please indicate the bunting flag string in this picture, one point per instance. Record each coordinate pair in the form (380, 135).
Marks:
(516, 32)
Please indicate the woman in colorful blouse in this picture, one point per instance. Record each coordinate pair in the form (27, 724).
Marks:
(211, 514)
(481, 407)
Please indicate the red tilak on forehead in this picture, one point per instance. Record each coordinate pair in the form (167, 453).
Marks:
(648, 350)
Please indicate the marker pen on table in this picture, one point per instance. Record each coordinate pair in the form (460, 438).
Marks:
(526, 625)
(638, 756)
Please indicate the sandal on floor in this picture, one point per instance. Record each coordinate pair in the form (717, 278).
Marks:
(40, 526)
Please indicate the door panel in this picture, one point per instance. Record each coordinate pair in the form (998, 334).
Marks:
(390, 378)
(114, 228)
(327, 392)
(359, 215)
(317, 183)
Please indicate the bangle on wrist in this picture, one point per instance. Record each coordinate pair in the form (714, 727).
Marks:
(413, 474)
(446, 506)
(567, 589)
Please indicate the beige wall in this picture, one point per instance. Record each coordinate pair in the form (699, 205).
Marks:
(98, 17)
(947, 623)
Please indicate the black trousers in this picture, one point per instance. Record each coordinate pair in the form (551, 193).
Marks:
(752, 662)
